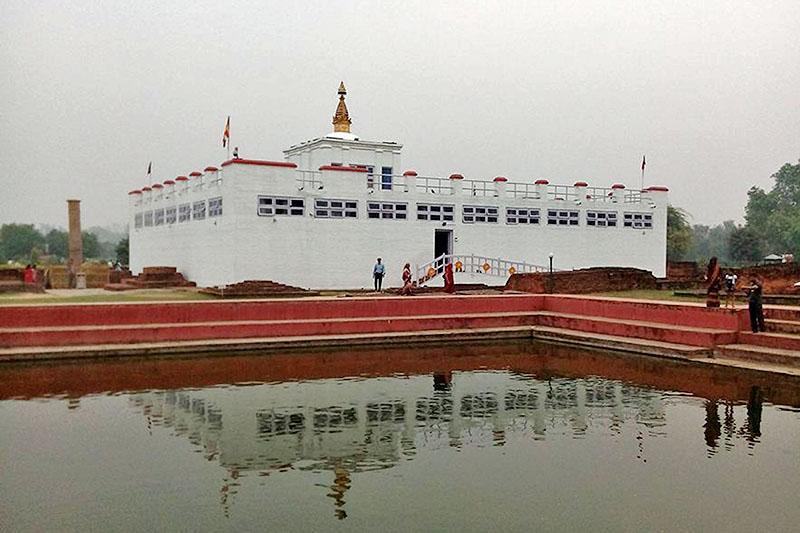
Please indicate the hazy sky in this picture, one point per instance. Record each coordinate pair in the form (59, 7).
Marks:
(90, 92)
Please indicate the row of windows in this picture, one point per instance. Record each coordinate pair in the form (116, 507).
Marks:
(471, 214)
(181, 213)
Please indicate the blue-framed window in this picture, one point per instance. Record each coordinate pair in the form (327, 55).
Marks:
(386, 178)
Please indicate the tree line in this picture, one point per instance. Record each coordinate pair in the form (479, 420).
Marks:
(24, 243)
(772, 225)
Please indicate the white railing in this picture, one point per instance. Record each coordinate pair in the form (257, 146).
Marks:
(523, 190)
(479, 188)
(432, 185)
(308, 180)
(475, 264)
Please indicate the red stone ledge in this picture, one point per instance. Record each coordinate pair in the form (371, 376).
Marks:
(258, 163)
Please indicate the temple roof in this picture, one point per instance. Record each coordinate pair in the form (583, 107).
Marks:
(341, 119)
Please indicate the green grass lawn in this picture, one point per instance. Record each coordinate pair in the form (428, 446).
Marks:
(650, 294)
(142, 295)
(178, 295)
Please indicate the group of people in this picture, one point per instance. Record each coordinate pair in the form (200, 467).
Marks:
(379, 271)
(716, 281)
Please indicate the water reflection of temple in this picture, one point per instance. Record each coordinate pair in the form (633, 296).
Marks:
(355, 425)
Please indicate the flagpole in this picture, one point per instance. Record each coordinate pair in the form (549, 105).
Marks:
(643, 165)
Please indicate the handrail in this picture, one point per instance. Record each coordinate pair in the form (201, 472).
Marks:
(308, 179)
(478, 264)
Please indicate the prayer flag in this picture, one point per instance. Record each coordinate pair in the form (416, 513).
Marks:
(643, 163)
(227, 134)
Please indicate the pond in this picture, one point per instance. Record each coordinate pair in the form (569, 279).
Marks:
(512, 437)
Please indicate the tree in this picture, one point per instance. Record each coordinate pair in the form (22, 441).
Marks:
(123, 251)
(710, 242)
(91, 246)
(745, 245)
(775, 215)
(679, 233)
(57, 243)
(19, 242)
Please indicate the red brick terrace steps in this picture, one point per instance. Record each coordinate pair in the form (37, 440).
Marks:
(687, 330)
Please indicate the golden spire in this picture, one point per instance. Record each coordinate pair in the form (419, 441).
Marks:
(341, 120)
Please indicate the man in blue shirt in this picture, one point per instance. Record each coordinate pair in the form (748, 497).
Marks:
(377, 274)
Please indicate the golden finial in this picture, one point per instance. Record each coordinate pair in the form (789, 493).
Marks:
(341, 120)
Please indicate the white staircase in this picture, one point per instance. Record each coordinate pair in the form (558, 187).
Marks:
(474, 264)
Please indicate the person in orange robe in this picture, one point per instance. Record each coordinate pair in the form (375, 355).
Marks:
(449, 283)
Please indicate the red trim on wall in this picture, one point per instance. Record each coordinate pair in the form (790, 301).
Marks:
(258, 163)
(456, 177)
(210, 169)
(193, 174)
(581, 184)
(146, 189)
(409, 173)
(169, 182)
(541, 182)
(158, 186)
(181, 178)
(342, 169)
(618, 186)
(500, 178)
(657, 188)
(137, 191)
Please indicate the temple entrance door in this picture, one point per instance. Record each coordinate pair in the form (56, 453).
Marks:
(442, 242)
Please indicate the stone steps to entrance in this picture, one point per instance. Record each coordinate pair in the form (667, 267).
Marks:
(614, 342)
(784, 312)
(781, 341)
(782, 326)
(22, 316)
(650, 331)
(749, 352)
(192, 331)
(659, 328)
(206, 346)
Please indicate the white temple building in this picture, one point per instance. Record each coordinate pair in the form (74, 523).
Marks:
(320, 218)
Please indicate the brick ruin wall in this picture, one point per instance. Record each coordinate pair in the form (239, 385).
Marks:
(775, 279)
(583, 281)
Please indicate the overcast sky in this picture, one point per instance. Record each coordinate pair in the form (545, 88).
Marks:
(91, 92)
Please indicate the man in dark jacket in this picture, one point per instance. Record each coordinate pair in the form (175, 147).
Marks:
(755, 306)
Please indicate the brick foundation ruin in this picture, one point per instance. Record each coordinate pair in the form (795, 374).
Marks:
(583, 281)
(157, 277)
(256, 289)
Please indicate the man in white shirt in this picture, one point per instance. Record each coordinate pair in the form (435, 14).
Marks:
(730, 289)
(378, 272)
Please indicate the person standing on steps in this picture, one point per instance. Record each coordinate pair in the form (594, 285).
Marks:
(714, 280)
(408, 283)
(730, 289)
(755, 306)
(449, 283)
(378, 271)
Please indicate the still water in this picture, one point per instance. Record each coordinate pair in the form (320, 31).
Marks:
(514, 437)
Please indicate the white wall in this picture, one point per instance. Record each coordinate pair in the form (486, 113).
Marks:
(321, 253)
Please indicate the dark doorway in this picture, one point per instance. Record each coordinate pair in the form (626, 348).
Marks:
(442, 242)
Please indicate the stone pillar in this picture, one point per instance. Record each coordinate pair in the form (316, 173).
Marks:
(541, 188)
(457, 181)
(411, 180)
(75, 242)
(580, 191)
(500, 185)
(618, 193)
